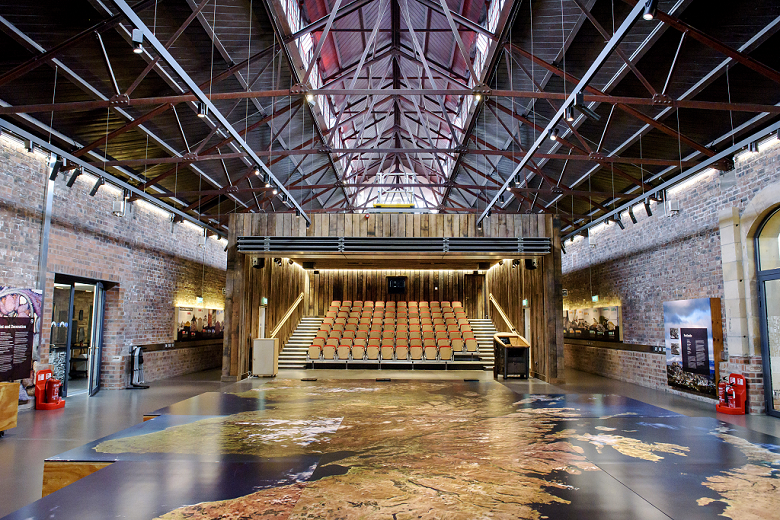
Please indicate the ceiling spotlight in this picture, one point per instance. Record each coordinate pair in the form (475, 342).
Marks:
(479, 225)
(310, 98)
(138, 41)
(29, 145)
(283, 197)
(579, 104)
(753, 147)
(97, 186)
(563, 248)
(631, 214)
(650, 8)
(55, 169)
(308, 224)
(619, 221)
(478, 97)
(518, 181)
(256, 170)
(569, 114)
(290, 261)
(203, 110)
(73, 178)
(553, 134)
(490, 212)
(647, 208)
(297, 213)
(275, 190)
(515, 263)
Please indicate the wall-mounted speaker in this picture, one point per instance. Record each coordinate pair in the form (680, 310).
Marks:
(258, 263)
(531, 264)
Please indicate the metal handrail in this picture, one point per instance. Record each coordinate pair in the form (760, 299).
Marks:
(286, 316)
(502, 313)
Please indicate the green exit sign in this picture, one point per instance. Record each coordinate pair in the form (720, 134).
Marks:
(199, 300)
(595, 298)
(525, 302)
(263, 301)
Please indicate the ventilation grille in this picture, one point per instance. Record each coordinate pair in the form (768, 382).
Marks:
(432, 245)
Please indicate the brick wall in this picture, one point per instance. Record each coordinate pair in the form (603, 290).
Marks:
(669, 256)
(149, 266)
(641, 368)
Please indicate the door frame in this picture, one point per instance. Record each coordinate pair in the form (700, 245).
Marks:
(73, 280)
(761, 278)
(96, 341)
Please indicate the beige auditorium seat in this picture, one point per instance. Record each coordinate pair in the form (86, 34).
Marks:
(457, 345)
(471, 345)
(372, 350)
(359, 349)
(429, 346)
(415, 350)
(315, 350)
(401, 349)
(329, 350)
(388, 349)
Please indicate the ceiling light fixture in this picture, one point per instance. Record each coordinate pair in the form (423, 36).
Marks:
(310, 98)
(647, 208)
(501, 199)
(569, 114)
(619, 221)
(275, 190)
(256, 170)
(297, 213)
(29, 146)
(203, 110)
(650, 8)
(631, 215)
(100, 181)
(579, 104)
(56, 167)
(138, 41)
(753, 147)
(553, 134)
(563, 248)
(73, 178)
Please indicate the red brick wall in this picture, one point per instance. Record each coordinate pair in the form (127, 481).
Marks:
(667, 256)
(641, 368)
(152, 267)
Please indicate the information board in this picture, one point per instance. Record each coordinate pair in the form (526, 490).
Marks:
(16, 348)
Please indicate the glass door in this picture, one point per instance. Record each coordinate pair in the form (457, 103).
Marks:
(96, 342)
(60, 339)
(768, 260)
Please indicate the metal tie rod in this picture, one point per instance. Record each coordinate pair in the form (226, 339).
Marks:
(591, 72)
(171, 61)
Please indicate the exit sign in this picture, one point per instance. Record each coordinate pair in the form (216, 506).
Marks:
(595, 298)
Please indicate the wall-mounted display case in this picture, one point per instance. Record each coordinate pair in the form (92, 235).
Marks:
(596, 323)
(197, 323)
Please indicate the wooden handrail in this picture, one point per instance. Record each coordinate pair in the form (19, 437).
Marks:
(286, 316)
(502, 314)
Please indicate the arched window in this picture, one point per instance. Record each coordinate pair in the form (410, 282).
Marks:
(768, 263)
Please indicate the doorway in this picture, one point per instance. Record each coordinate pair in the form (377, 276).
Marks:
(76, 344)
(768, 264)
(474, 298)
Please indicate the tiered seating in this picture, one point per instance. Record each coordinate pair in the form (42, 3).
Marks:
(393, 331)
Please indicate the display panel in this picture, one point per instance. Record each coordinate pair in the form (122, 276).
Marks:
(693, 338)
(193, 323)
(597, 323)
(20, 328)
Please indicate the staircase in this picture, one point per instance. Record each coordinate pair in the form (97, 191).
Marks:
(295, 350)
(483, 333)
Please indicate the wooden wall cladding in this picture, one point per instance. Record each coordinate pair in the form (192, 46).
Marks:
(542, 287)
(391, 225)
(371, 285)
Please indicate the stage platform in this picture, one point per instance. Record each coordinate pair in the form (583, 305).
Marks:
(294, 449)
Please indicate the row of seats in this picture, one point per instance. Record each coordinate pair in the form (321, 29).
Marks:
(373, 330)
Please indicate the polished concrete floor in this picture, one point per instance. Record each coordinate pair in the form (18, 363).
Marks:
(41, 435)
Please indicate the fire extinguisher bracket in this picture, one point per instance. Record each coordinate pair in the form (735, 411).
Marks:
(47, 391)
(732, 395)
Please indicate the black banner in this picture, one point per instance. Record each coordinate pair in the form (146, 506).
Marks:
(16, 345)
(695, 351)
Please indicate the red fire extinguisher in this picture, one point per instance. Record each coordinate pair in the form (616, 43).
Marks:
(722, 384)
(53, 390)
